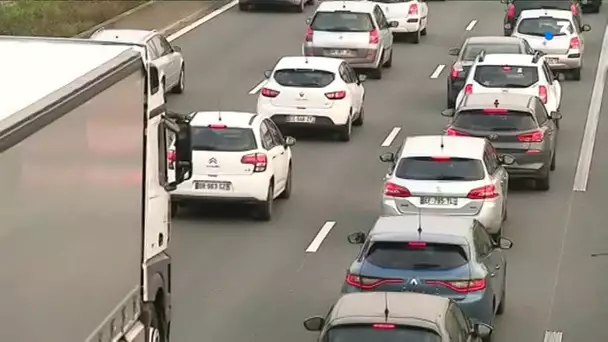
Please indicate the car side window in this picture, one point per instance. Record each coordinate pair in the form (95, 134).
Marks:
(483, 242)
(157, 46)
(452, 326)
(541, 113)
(165, 45)
(489, 166)
(343, 74)
(162, 155)
(277, 136)
(266, 137)
(351, 72)
(151, 50)
(380, 18)
(493, 156)
(547, 72)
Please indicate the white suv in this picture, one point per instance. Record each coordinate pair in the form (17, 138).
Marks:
(517, 74)
(237, 157)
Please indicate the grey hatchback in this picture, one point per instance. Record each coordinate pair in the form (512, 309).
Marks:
(517, 125)
(396, 317)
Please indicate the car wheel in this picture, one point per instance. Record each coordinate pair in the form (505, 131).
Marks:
(423, 32)
(415, 37)
(300, 7)
(265, 208)
(389, 62)
(377, 72)
(181, 84)
(503, 299)
(552, 167)
(359, 120)
(345, 131)
(287, 191)
(576, 74)
(543, 184)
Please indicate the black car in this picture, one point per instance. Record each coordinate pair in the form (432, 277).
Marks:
(591, 6)
(514, 8)
(517, 125)
(470, 49)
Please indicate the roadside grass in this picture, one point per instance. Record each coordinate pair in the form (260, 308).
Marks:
(57, 18)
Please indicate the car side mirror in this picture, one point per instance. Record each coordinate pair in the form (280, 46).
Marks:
(555, 115)
(506, 159)
(315, 323)
(361, 78)
(454, 51)
(387, 157)
(177, 49)
(482, 330)
(267, 73)
(154, 79)
(504, 243)
(290, 141)
(308, 20)
(586, 28)
(448, 113)
(356, 238)
(393, 23)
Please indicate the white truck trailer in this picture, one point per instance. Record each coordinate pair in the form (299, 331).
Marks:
(84, 202)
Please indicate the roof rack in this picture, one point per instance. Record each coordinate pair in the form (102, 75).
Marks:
(537, 55)
(481, 56)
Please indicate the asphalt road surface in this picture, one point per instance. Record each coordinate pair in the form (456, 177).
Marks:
(240, 280)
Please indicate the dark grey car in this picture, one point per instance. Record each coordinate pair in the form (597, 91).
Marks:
(517, 125)
(470, 49)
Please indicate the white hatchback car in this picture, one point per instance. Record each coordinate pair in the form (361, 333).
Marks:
(313, 93)
(517, 74)
(237, 157)
(444, 175)
(412, 16)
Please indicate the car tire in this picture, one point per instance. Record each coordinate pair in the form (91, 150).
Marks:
(423, 32)
(359, 120)
(543, 184)
(288, 184)
(389, 62)
(174, 209)
(503, 302)
(243, 7)
(181, 83)
(154, 323)
(576, 74)
(345, 131)
(415, 37)
(300, 7)
(552, 166)
(377, 72)
(264, 212)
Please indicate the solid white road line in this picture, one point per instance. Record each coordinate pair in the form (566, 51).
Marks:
(203, 20)
(257, 88)
(437, 71)
(553, 336)
(471, 25)
(581, 177)
(321, 235)
(391, 136)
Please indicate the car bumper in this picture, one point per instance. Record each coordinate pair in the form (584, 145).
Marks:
(324, 117)
(407, 25)
(245, 188)
(565, 62)
(369, 60)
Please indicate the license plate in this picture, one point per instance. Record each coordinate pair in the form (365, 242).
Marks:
(301, 119)
(438, 200)
(552, 60)
(341, 53)
(223, 186)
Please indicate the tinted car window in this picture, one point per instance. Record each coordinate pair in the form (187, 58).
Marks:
(472, 50)
(521, 5)
(428, 168)
(306, 78)
(391, 1)
(224, 139)
(367, 333)
(342, 22)
(411, 256)
(541, 26)
(506, 76)
(480, 121)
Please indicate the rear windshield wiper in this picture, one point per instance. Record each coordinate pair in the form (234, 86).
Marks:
(422, 265)
(451, 178)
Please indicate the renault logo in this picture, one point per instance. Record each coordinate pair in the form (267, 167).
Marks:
(212, 161)
(414, 282)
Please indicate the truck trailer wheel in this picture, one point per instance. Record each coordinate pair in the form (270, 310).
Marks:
(154, 324)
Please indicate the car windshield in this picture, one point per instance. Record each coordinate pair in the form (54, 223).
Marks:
(472, 50)
(223, 139)
(478, 120)
(306, 78)
(416, 255)
(383, 333)
(342, 22)
(506, 76)
(544, 25)
(429, 168)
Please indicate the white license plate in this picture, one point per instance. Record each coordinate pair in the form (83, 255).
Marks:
(434, 200)
(301, 119)
(552, 60)
(223, 186)
(341, 53)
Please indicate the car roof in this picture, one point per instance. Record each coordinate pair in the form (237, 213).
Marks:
(555, 13)
(321, 63)
(230, 119)
(494, 40)
(508, 59)
(456, 147)
(364, 306)
(124, 36)
(519, 102)
(350, 6)
(435, 228)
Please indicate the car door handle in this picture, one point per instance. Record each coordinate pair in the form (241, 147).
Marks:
(492, 274)
(273, 157)
(497, 267)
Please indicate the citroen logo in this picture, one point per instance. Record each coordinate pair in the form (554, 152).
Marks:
(414, 282)
(212, 161)
(301, 94)
(492, 136)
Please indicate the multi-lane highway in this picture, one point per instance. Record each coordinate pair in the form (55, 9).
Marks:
(240, 280)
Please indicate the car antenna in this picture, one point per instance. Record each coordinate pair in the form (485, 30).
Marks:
(441, 143)
(386, 311)
(419, 230)
(343, 4)
(496, 103)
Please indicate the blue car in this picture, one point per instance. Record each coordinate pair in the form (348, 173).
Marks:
(447, 256)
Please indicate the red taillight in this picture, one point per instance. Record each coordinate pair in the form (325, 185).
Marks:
(417, 244)
(267, 92)
(394, 190)
(468, 89)
(217, 126)
(542, 93)
(441, 159)
(383, 326)
(493, 111)
(171, 156)
(575, 43)
(309, 35)
(531, 137)
(485, 192)
(258, 160)
(413, 9)
(365, 283)
(574, 10)
(456, 72)
(511, 11)
(374, 37)
(454, 133)
(460, 286)
(336, 95)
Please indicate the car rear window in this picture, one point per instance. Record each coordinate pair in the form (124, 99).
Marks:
(416, 255)
(521, 5)
(391, 1)
(223, 139)
(480, 121)
(472, 50)
(506, 76)
(541, 26)
(381, 332)
(307, 78)
(429, 168)
(342, 22)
